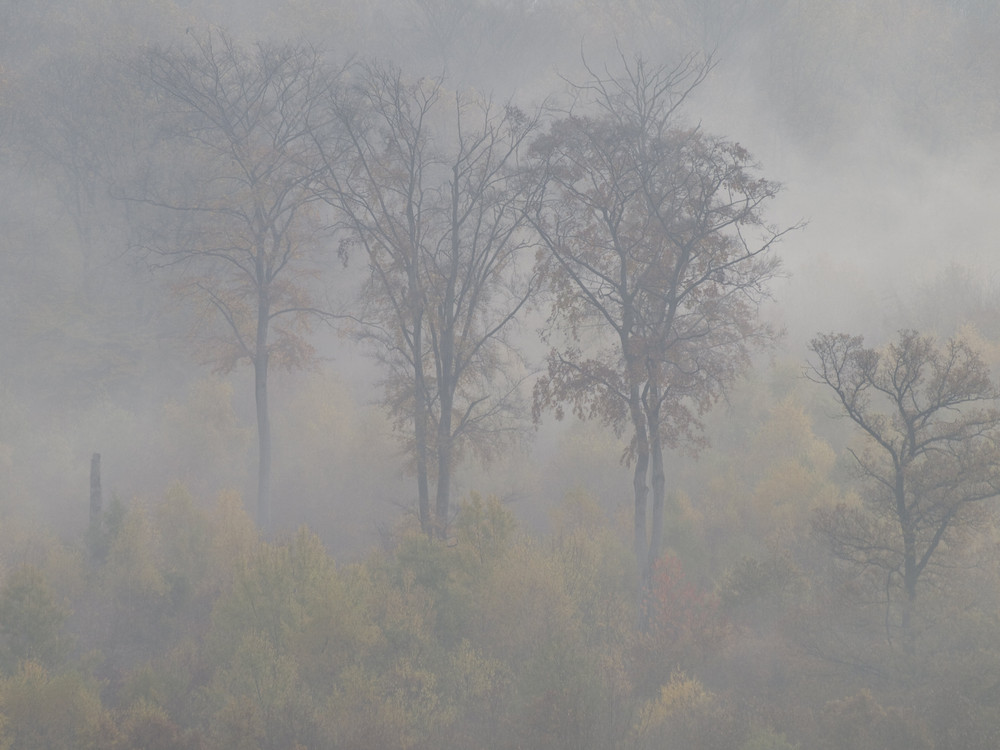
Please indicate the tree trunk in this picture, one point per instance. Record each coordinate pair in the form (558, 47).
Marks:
(910, 572)
(94, 532)
(658, 480)
(423, 485)
(446, 376)
(444, 450)
(639, 486)
(910, 575)
(95, 493)
(446, 398)
(420, 421)
(260, 367)
(263, 444)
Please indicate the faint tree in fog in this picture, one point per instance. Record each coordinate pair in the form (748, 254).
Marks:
(432, 194)
(956, 297)
(237, 173)
(65, 128)
(657, 255)
(929, 419)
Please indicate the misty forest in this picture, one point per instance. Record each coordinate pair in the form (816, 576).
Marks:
(499, 374)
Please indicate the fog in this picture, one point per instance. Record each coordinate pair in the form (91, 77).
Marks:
(879, 119)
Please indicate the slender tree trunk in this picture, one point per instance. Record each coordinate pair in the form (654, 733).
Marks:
(260, 371)
(910, 575)
(263, 444)
(420, 427)
(444, 450)
(95, 493)
(906, 619)
(639, 487)
(910, 572)
(420, 436)
(446, 377)
(420, 405)
(658, 480)
(96, 528)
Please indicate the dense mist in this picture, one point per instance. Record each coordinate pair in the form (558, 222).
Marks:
(392, 320)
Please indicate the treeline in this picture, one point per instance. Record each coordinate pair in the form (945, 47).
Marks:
(191, 631)
(180, 625)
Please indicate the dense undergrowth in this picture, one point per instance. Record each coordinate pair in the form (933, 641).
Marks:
(181, 628)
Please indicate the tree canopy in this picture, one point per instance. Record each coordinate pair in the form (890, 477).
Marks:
(657, 254)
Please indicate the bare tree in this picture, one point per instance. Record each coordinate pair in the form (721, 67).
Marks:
(929, 419)
(237, 173)
(432, 194)
(657, 254)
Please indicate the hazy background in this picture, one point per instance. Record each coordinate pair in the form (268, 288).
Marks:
(880, 117)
